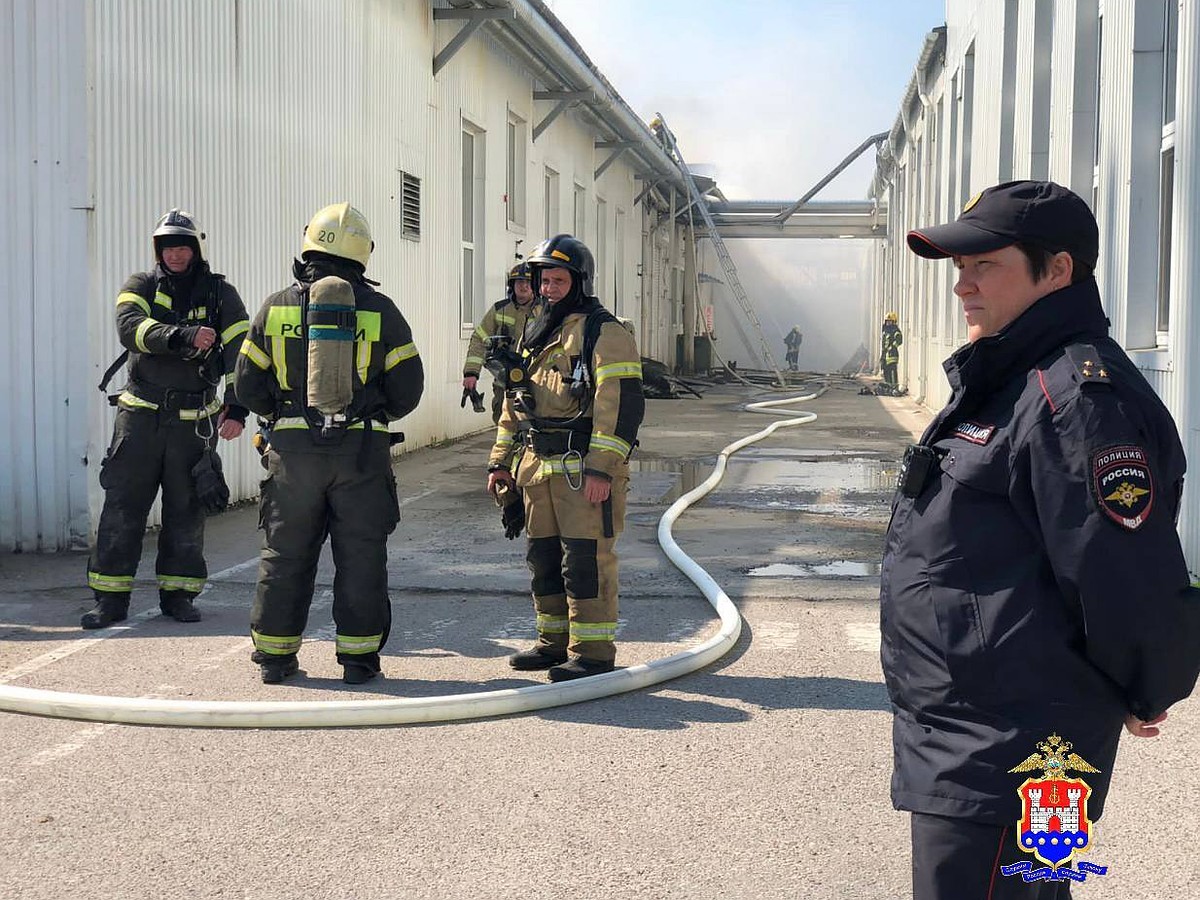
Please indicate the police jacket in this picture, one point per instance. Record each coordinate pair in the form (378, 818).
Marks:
(585, 413)
(272, 371)
(157, 313)
(1035, 584)
(505, 318)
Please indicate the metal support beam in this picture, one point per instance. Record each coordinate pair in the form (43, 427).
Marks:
(615, 145)
(612, 158)
(559, 108)
(471, 19)
(873, 140)
(650, 185)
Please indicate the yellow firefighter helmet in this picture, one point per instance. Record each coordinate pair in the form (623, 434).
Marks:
(339, 230)
(891, 317)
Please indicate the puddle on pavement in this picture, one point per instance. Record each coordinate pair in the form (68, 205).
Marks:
(838, 568)
(822, 481)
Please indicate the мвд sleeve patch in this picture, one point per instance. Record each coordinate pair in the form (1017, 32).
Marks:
(1123, 485)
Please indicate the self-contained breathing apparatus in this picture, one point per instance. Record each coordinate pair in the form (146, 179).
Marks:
(508, 367)
(330, 320)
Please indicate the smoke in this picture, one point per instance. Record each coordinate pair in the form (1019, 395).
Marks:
(822, 286)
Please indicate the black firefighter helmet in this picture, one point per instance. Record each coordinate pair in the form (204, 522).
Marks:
(519, 272)
(564, 251)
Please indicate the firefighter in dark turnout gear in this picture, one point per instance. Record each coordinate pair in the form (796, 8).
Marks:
(891, 338)
(572, 410)
(503, 322)
(328, 473)
(182, 327)
(1033, 582)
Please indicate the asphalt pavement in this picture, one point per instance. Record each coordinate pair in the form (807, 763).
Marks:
(764, 775)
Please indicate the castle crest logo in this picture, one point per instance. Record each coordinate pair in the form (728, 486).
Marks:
(1054, 826)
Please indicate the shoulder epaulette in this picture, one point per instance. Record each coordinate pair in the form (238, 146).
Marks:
(1068, 373)
(1087, 364)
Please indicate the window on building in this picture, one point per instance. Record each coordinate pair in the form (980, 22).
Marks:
(1008, 90)
(514, 186)
(601, 245)
(471, 286)
(410, 207)
(550, 202)
(1166, 179)
(618, 260)
(580, 213)
(1096, 131)
(968, 107)
(1043, 46)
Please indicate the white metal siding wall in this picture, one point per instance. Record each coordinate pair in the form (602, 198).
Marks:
(115, 110)
(1128, 173)
(43, 274)
(1182, 393)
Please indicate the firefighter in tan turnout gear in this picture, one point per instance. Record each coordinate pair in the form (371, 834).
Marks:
(328, 363)
(572, 407)
(181, 325)
(502, 325)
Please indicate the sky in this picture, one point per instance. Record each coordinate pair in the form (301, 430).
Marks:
(772, 95)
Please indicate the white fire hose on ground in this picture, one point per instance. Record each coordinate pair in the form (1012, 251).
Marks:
(408, 710)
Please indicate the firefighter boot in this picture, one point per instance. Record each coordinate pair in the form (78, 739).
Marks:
(579, 667)
(276, 669)
(110, 608)
(539, 656)
(353, 673)
(178, 605)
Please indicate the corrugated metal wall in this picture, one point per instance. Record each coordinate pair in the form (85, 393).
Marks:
(44, 274)
(1128, 177)
(252, 114)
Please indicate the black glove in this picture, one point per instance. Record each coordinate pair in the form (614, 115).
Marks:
(209, 479)
(474, 396)
(511, 500)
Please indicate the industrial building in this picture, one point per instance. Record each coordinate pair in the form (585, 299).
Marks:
(1103, 97)
(465, 135)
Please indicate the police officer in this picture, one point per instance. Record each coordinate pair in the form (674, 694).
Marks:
(891, 340)
(1033, 583)
(574, 408)
(329, 471)
(182, 326)
(504, 321)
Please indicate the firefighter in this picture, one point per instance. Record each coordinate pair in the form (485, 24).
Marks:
(182, 326)
(328, 362)
(890, 343)
(573, 407)
(504, 322)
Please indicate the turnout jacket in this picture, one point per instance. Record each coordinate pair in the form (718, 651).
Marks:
(505, 318)
(272, 370)
(602, 417)
(155, 313)
(1036, 583)
(890, 343)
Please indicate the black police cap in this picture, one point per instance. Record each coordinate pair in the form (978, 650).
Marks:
(1040, 213)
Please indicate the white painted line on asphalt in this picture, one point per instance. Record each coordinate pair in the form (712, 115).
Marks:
(85, 736)
(53, 656)
(777, 635)
(415, 497)
(863, 636)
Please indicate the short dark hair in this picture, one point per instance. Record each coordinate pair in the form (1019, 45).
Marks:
(1039, 262)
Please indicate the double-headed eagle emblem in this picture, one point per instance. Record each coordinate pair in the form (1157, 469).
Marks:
(1055, 759)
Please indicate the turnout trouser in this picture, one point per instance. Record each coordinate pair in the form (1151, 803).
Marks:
(350, 497)
(889, 373)
(573, 564)
(150, 449)
(954, 859)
